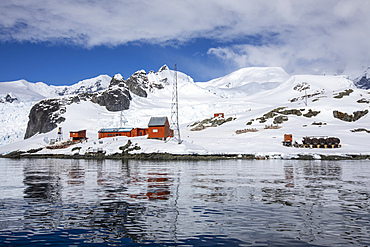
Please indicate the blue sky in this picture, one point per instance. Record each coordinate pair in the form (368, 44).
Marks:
(66, 64)
(61, 42)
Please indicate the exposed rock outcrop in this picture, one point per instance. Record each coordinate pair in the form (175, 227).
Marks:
(210, 122)
(363, 82)
(137, 83)
(349, 117)
(114, 99)
(44, 117)
(9, 99)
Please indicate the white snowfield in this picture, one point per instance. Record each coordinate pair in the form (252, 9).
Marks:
(244, 95)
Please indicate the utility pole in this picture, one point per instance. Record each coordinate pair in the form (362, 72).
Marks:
(122, 120)
(59, 134)
(305, 96)
(175, 110)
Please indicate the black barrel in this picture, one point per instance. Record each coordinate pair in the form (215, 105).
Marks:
(315, 141)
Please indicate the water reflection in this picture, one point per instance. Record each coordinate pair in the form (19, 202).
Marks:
(289, 175)
(232, 203)
(42, 185)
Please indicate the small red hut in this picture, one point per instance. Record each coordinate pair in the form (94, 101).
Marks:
(219, 115)
(159, 128)
(77, 135)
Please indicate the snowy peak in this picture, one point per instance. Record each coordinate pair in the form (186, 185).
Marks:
(363, 82)
(118, 77)
(246, 81)
(92, 85)
(244, 76)
(164, 67)
(142, 83)
(25, 91)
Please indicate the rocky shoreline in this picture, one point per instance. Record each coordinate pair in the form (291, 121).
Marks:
(185, 157)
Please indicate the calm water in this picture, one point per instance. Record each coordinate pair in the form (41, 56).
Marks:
(231, 203)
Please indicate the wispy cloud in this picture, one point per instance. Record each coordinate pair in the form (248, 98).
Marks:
(301, 36)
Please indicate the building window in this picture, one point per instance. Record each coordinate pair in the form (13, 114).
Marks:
(155, 130)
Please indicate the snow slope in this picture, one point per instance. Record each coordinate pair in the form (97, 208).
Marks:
(197, 103)
(246, 81)
(25, 91)
(14, 116)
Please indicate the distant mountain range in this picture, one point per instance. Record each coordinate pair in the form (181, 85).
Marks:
(24, 91)
(244, 81)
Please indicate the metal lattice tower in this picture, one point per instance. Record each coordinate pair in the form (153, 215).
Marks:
(175, 110)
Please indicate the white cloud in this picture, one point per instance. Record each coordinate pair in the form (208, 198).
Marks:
(315, 39)
(90, 23)
(300, 36)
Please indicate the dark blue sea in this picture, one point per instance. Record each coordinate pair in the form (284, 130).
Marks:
(61, 202)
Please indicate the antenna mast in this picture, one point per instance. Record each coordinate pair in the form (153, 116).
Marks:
(175, 110)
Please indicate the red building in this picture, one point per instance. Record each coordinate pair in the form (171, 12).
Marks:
(159, 128)
(139, 132)
(219, 115)
(129, 132)
(77, 135)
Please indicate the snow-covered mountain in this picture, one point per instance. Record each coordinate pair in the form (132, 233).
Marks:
(24, 91)
(302, 105)
(18, 97)
(246, 81)
(92, 85)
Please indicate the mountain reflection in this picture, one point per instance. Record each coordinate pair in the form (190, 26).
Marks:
(42, 185)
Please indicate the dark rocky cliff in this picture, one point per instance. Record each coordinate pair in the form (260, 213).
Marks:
(44, 117)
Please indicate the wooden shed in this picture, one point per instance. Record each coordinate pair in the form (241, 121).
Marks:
(129, 132)
(159, 128)
(77, 135)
